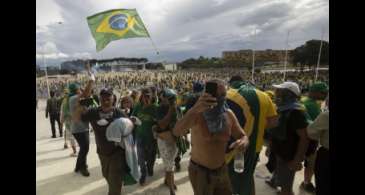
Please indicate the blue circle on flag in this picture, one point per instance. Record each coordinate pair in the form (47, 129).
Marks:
(118, 22)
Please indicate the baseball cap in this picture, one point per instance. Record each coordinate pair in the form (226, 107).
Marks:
(319, 87)
(291, 86)
(106, 91)
(72, 88)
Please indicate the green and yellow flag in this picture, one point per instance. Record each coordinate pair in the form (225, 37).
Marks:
(115, 24)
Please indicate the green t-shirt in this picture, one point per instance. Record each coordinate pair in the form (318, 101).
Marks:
(312, 107)
(162, 112)
(148, 119)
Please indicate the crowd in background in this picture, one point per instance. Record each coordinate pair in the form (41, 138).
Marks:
(155, 107)
(181, 80)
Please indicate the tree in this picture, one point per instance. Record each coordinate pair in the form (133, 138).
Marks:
(307, 54)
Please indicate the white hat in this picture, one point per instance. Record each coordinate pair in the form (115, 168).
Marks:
(293, 87)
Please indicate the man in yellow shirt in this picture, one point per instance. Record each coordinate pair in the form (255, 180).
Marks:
(255, 112)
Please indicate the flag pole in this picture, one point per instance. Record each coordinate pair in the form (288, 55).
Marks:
(319, 55)
(286, 54)
(154, 46)
(44, 64)
(253, 59)
(149, 36)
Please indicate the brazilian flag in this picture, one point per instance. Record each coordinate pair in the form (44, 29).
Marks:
(115, 24)
(244, 101)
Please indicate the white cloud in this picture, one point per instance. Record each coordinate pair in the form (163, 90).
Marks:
(51, 56)
(181, 28)
(47, 12)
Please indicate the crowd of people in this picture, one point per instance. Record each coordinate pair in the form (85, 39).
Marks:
(229, 117)
(180, 80)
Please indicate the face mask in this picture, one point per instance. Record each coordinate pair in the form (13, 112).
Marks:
(214, 117)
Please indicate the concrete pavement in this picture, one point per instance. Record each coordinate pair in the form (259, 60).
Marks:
(55, 176)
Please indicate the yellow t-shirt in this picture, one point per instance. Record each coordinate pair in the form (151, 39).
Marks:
(267, 109)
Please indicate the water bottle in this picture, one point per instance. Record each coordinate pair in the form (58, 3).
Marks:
(239, 162)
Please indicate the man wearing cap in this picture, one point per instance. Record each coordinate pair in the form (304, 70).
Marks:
(79, 128)
(317, 93)
(255, 111)
(112, 157)
(289, 137)
(319, 130)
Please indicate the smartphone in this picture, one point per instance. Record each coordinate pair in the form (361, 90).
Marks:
(211, 88)
(86, 102)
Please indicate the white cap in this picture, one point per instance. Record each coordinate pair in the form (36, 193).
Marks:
(293, 87)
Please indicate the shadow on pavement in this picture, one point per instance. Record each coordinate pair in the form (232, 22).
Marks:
(43, 138)
(160, 189)
(48, 161)
(49, 151)
(182, 180)
(68, 182)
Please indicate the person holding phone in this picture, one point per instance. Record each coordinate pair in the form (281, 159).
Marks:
(79, 128)
(211, 124)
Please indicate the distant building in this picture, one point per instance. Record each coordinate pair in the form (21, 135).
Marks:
(172, 67)
(262, 57)
(115, 64)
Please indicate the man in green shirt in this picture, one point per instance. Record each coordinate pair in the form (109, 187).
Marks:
(317, 92)
(145, 110)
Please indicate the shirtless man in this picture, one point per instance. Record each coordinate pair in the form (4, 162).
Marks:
(207, 170)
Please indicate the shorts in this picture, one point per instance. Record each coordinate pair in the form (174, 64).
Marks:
(283, 176)
(168, 152)
(68, 135)
(209, 182)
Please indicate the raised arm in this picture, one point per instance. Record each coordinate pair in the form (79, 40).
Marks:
(189, 119)
(88, 88)
(164, 122)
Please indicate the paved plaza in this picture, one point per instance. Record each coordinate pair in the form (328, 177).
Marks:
(55, 174)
